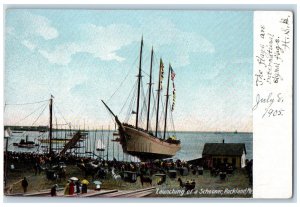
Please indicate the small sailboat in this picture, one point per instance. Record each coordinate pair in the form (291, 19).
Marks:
(7, 132)
(100, 146)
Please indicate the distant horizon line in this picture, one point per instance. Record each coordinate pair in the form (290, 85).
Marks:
(106, 129)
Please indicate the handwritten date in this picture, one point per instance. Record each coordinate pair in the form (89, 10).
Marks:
(270, 110)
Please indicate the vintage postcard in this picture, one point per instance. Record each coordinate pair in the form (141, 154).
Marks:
(147, 103)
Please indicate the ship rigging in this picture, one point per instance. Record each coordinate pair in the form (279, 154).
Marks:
(142, 142)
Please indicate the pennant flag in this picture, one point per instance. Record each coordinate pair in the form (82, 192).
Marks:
(173, 74)
(133, 112)
(161, 73)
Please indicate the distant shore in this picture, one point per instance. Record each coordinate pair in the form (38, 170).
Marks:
(46, 128)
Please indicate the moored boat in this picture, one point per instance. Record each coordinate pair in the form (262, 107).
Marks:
(17, 132)
(25, 143)
(100, 146)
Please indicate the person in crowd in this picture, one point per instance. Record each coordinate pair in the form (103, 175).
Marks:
(71, 188)
(35, 168)
(67, 188)
(84, 188)
(53, 190)
(77, 184)
(24, 184)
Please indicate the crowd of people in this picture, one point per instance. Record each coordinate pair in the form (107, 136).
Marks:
(25, 160)
(76, 187)
(37, 161)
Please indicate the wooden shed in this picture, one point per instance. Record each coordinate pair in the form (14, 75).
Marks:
(215, 154)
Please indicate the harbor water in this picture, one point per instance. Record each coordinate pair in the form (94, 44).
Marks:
(192, 143)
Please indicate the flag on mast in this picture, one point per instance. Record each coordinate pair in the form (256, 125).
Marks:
(161, 77)
(173, 74)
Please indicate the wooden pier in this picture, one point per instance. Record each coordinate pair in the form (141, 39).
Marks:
(130, 194)
(92, 193)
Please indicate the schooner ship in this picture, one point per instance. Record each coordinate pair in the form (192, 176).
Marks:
(143, 143)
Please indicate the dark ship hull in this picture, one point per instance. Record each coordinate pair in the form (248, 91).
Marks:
(145, 146)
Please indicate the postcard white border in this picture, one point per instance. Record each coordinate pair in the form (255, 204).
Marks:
(272, 104)
(214, 4)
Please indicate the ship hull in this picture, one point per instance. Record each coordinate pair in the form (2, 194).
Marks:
(145, 146)
(25, 145)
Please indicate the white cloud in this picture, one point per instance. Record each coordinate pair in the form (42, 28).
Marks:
(29, 45)
(105, 41)
(30, 25)
(47, 32)
(40, 26)
(10, 30)
(101, 42)
(62, 54)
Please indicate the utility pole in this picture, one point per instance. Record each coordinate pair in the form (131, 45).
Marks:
(50, 123)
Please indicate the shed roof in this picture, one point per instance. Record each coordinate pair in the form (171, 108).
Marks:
(230, 149)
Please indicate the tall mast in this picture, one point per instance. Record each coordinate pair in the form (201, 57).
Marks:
(158, 96)
(139, 85)
(102, 142)
(94, 143)
(7, 136)
(113, 149)
(118, 152)
(56, 134)
(150, 85)
(50, 127)
(107, 143)
(166, 112)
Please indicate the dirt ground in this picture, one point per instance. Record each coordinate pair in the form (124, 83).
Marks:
(235, 185)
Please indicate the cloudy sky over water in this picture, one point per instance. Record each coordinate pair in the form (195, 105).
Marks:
(83, 56)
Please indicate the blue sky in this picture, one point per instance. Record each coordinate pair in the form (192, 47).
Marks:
(82, 56)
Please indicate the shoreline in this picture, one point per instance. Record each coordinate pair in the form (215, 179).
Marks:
(35, 129)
